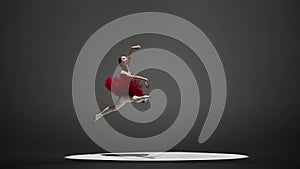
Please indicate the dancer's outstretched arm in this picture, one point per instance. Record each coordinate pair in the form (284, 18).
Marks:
(131, 51)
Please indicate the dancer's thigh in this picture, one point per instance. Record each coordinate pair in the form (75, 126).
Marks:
(122, 101)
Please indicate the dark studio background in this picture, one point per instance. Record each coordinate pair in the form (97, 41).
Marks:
(258, 42)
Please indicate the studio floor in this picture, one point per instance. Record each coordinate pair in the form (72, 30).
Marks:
(257, 160)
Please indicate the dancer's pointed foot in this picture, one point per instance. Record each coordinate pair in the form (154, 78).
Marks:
(98, 116)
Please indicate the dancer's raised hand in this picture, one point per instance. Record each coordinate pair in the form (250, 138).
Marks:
(136, 47)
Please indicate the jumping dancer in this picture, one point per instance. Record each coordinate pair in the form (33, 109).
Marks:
(126, 86)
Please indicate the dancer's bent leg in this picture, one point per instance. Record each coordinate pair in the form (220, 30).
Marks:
(120, 103)
(140, 99)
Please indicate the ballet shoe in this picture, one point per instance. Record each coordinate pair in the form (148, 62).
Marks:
(98, 116)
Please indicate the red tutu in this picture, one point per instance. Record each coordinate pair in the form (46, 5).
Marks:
(120, 85)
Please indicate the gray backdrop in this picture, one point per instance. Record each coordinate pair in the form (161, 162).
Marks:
(257, 42)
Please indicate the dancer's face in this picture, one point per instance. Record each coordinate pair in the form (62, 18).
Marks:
(123, 61)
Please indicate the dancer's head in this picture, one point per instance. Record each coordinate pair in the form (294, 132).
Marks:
(123, 61)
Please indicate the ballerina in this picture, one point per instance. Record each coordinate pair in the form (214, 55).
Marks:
(126, 86)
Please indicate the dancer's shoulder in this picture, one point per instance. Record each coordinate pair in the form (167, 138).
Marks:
(125, 72)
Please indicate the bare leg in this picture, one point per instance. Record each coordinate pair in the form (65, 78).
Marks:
(120, 103)
(140, 99)
(108, 109)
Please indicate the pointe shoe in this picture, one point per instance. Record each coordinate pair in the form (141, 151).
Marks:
(98, 116)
